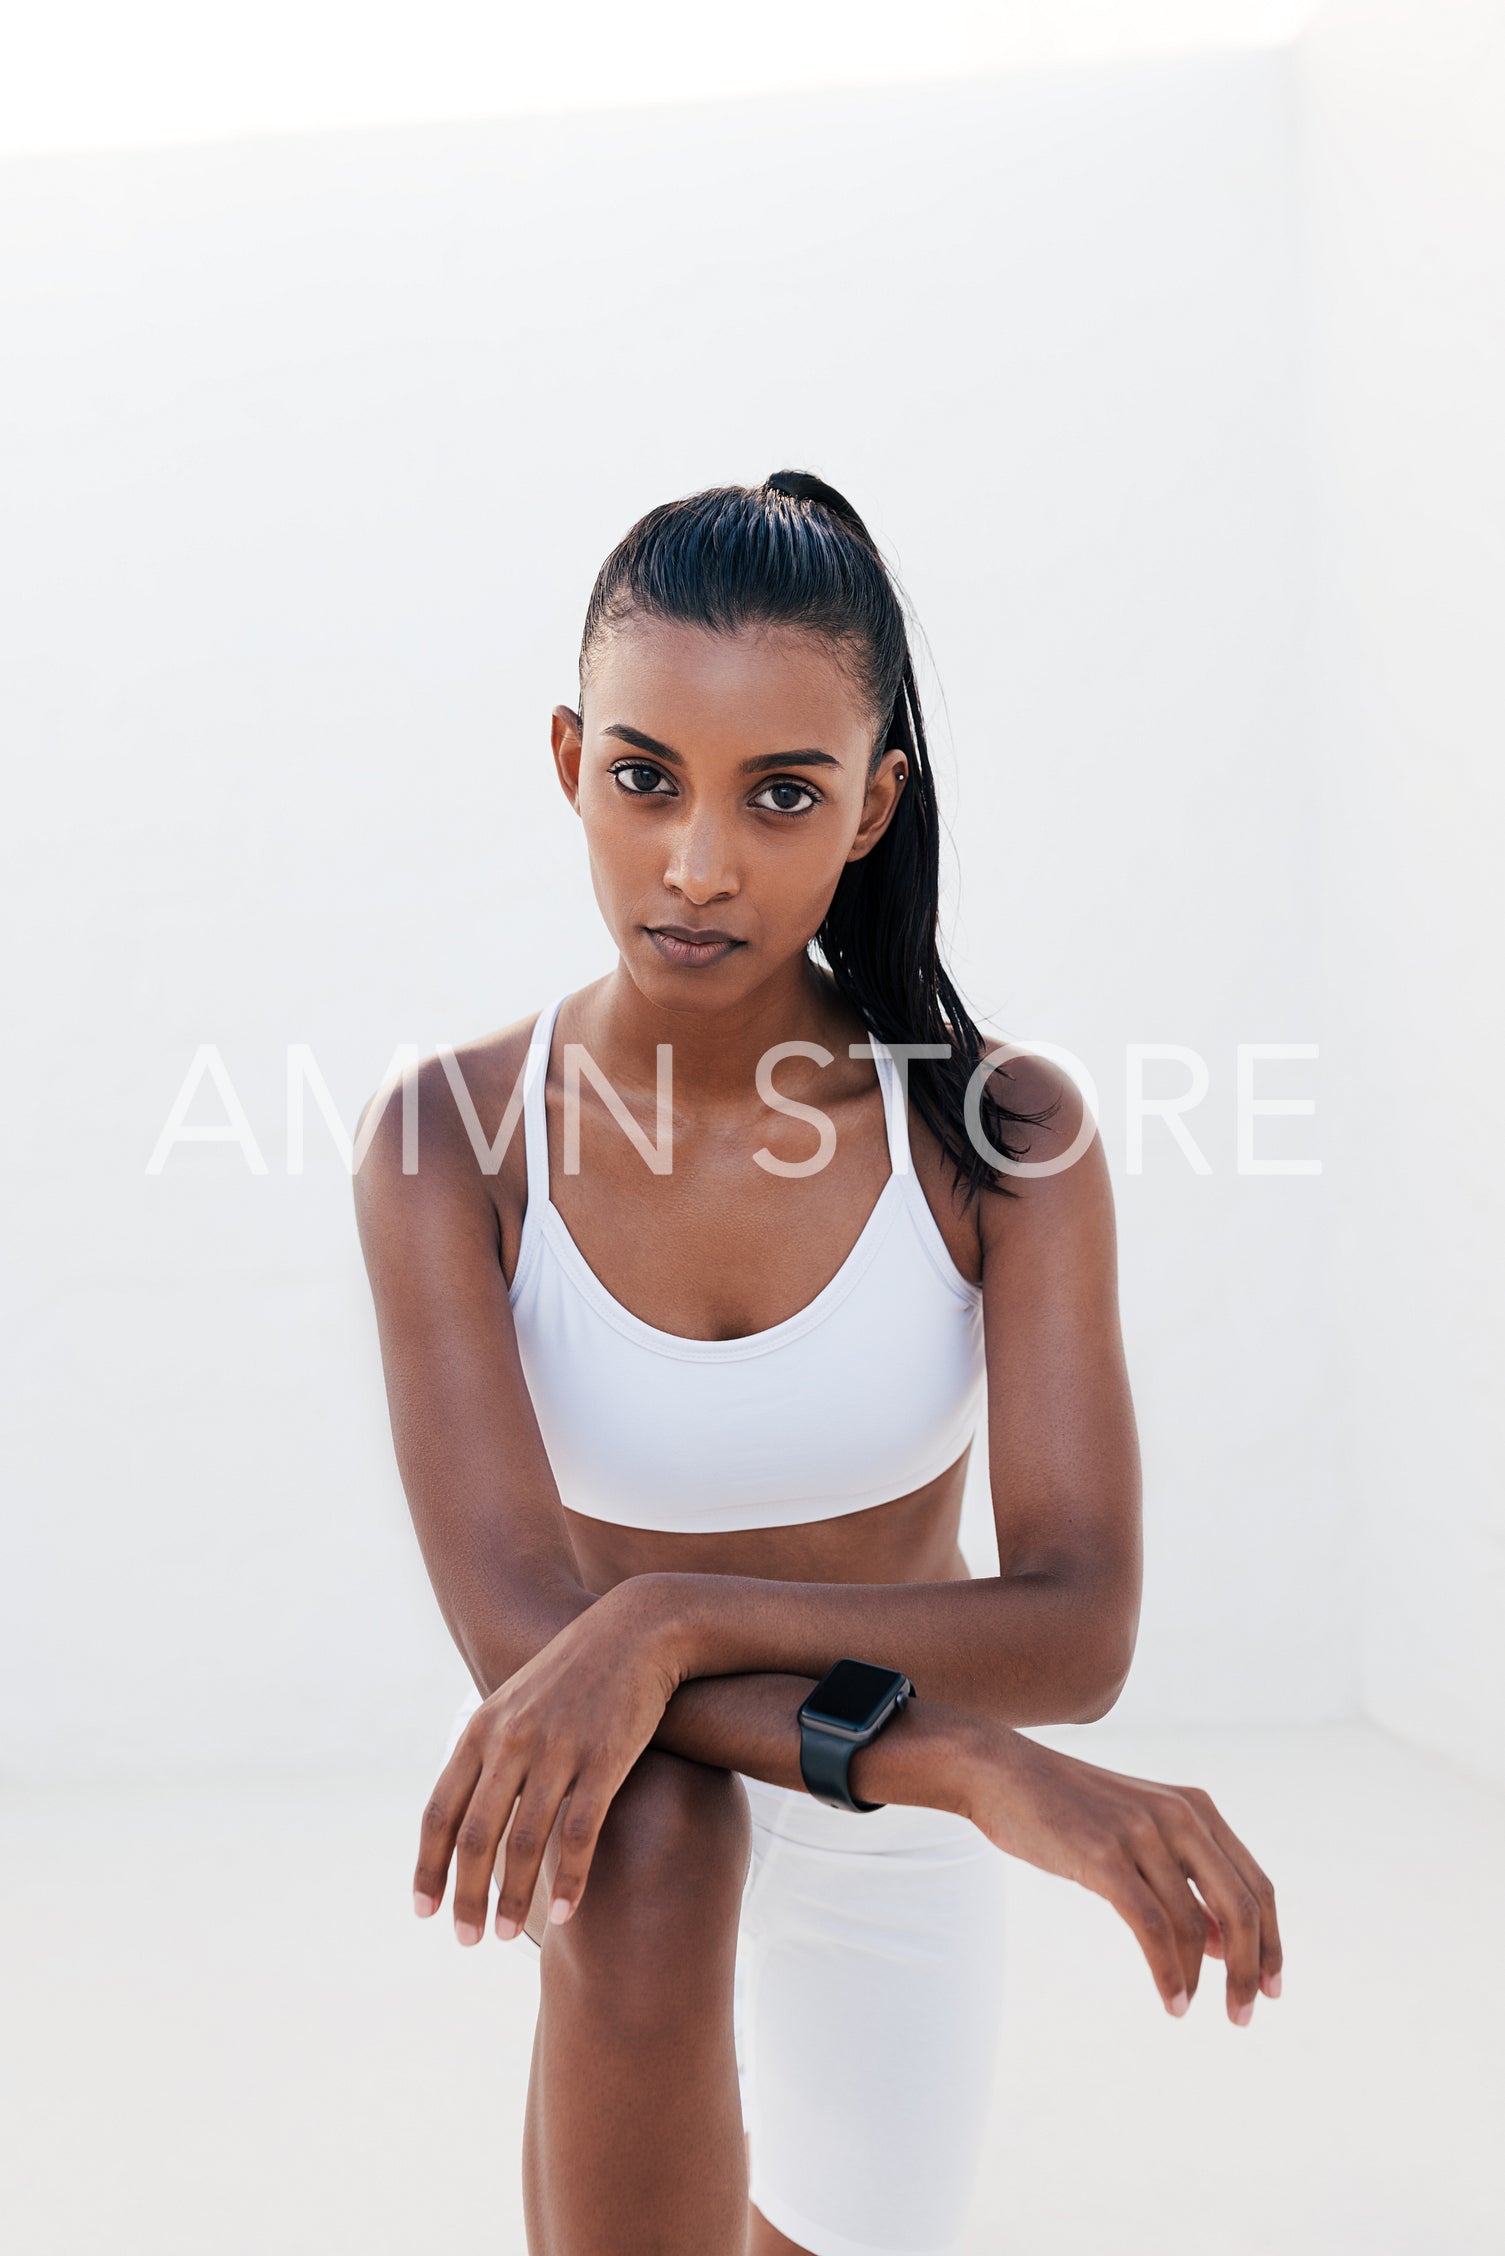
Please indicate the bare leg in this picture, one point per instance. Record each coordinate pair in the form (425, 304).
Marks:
(632, 2141)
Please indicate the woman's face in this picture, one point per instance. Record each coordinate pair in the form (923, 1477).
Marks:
(723, 783)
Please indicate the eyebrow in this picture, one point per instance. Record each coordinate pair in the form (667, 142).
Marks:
(811, 757)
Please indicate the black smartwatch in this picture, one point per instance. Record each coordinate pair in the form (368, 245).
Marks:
(849, 1706)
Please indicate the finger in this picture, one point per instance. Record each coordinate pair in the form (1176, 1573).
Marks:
(538, 1911)
(537, 1920)
(442, 1815)
(584, 1815)
(1233, 1903)
(1257, 1881)
(502, 1775)
(538, 1806)
(1119, 1879)
(1165, 1873)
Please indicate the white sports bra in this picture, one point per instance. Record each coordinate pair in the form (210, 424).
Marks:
(865, 1394)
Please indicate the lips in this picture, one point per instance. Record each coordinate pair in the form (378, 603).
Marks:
(695, 933)
(682, 944)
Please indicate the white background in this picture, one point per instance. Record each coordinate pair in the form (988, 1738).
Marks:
(1168, 380)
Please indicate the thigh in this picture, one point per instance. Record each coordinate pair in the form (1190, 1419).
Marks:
(871, 1992)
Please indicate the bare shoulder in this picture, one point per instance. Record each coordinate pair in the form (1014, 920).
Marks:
(1059, 1138)
(1026, 1083)
(434, 1137)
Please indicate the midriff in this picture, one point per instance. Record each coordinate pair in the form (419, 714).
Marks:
(909, 1539)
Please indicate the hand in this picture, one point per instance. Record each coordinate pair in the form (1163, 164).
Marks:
(1136, 1843)
(556, 1740)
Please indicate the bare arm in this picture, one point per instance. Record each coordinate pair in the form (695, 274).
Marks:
(1022, 1648)
(477, 1478)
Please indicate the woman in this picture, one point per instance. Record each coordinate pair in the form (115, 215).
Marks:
(683, 1383)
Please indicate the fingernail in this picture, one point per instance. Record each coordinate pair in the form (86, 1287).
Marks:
(467, 1933)
(506, 1927)
(1245, 2014)
(559, 1910)
(425, 1906)
(1180, 2002)
(1272, 1986)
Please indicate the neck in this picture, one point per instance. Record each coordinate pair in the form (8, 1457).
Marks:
(716, 1047)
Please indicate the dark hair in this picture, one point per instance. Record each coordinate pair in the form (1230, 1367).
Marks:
(794, 552)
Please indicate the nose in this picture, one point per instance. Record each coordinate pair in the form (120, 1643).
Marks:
(700, 864)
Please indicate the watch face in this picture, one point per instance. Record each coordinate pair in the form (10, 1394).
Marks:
(853, 1695)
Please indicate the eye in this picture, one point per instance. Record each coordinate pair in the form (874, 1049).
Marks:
(788, 783)
(638, 768)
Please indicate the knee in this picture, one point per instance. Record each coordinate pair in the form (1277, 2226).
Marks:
(670, 1860)
(677, 1829)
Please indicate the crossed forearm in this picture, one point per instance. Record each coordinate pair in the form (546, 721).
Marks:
(983, 1654)
(750, 1723)
(1021, 1649)
(746, 1722)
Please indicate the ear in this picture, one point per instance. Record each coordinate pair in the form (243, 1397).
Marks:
(566, 731)
(886, 786)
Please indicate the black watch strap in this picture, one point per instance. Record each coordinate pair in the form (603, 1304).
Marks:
(824, 1760)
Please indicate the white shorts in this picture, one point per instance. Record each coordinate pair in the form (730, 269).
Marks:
(867, 2007)
(868, 2004)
